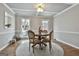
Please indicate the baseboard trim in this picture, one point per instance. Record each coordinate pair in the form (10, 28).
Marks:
(4, 47)
(67, 43)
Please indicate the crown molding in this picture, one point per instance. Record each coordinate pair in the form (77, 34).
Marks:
(8, 8)
(65, 10)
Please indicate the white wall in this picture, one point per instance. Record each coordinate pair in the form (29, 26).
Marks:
(35, 22)
(66, 26)
(5, 34)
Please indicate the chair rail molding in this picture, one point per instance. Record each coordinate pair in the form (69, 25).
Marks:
(66, 32)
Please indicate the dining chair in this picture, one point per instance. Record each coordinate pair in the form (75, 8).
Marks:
(32, 39)
(47, 39)
(42, 32)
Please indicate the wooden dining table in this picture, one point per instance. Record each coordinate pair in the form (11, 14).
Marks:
(41, 40)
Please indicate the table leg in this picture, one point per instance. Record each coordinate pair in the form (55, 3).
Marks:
(40, 46)
(44, 43)
(33, 45)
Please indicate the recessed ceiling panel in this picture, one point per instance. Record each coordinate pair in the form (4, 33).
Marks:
(29, 9)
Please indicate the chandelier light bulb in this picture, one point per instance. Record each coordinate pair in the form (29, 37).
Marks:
(40, 7)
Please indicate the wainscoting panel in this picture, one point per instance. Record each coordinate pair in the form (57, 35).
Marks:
(5, 37)
(68, 38)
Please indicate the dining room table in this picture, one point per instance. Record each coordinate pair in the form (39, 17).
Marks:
(40, 38)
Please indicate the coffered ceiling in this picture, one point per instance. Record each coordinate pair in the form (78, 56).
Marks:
(28, 9)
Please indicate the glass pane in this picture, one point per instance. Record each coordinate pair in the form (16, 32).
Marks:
(45, 25)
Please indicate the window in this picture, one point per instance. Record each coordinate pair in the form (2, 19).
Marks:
(45, 24)
(8, 20)
(25, 25)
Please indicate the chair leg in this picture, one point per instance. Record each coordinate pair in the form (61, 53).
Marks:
(29, 47)
(50, 47)
(33, 49)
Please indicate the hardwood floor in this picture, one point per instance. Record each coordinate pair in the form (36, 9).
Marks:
(68, 50)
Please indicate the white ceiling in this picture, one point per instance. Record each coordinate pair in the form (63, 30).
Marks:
(28, 9)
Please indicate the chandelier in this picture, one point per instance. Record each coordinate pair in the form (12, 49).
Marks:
(40, 7)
